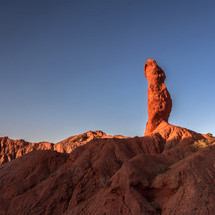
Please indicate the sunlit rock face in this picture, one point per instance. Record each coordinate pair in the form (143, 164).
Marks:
(159, 100)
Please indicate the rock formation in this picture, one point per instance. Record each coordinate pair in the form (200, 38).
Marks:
(159, 100)
(11, 149)
(151, 175)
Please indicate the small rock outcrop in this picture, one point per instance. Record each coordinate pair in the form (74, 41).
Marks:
(159, 100)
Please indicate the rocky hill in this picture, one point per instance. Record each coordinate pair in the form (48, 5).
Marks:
(11, 149)
(170, 170)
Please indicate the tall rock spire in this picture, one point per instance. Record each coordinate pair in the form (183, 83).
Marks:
(159, 100)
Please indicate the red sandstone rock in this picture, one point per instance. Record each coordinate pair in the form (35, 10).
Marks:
(159, 100)
(138, 175)
(11, 149)
(71, 143)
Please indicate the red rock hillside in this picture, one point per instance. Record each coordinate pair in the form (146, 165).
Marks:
(11, 149)
(170, 171)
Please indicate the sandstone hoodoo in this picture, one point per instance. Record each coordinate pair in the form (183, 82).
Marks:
(159, 100)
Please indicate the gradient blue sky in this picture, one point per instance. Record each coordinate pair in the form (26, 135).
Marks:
(68, 66)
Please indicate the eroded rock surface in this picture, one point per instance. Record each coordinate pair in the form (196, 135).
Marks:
(159, 100)
(11, 149)
(155, 174)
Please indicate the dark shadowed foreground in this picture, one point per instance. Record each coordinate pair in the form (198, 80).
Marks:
(166, 172)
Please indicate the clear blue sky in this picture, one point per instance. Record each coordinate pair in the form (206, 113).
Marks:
(68, 66)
